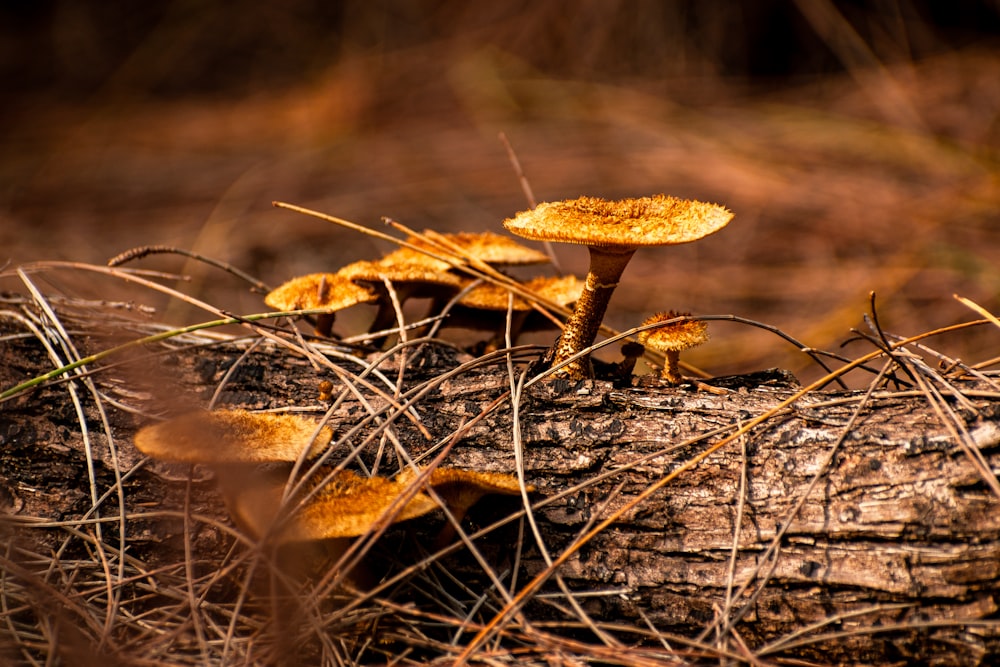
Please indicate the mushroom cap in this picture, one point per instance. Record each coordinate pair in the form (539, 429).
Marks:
(626, 223)
(494, 249)
(673, 337)
(563, 290)
(488, 296)
(406, 255)
(319, 290)
(232, 436)
(416, 273)
(349, 505)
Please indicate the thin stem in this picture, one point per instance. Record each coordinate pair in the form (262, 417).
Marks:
(606, 267)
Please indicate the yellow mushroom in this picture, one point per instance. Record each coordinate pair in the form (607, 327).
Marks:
(486, 247)
(406, 255)
(409, 280)
(672, 338)
(233, 436)
(234, 444)
(612, 231)
(485, 306)
(320, 290)
(349, 505)
(461, 489)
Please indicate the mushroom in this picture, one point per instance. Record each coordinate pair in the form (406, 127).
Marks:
(672, 338)
(564, 291)
(612, 230)
(406, 255)
(240, 448)
(349, 505)
(486, 247)
(461, 489)
(320, 290)
(631, 351)
(233, 436)
(235, 444)
(485, 306)
(409, 280)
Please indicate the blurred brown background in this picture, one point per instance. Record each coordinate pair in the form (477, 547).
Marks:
(855, 141)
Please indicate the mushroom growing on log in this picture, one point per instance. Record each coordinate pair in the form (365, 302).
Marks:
(671, 338)
(320, 290)
(612, 231)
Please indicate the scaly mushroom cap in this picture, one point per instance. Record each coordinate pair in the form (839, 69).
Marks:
(673, 337)
(319, 290)
(347, 506)
(232, 436)
(628, 223)
(412, 274)
(564, 290)
(350, 505)
(410, 256)
(488, 296)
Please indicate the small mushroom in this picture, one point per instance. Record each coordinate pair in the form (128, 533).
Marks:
(241, 448)
(410, 256)
(234, 444)
(631, 351)
(320, 290)
(325, 390)
(233, 436)
(564, 291)
(672, 338)
(612, 231)
(486, 247)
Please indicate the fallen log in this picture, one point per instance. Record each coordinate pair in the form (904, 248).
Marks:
(757, 519)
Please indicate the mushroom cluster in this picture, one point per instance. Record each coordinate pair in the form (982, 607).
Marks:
(439, 265)
(242, 448)
(434, 266)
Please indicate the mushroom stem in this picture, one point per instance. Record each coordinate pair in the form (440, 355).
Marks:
(631, 351)
(385, 316)
(606, 267)
(671, 368)
(324, 321)
(324, 324)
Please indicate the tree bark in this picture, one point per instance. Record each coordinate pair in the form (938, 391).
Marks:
(864, 533)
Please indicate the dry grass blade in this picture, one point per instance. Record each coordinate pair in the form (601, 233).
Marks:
(969, 303)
